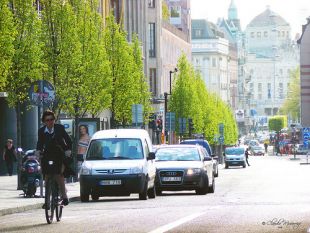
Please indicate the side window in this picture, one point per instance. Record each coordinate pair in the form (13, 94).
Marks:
(146, 148)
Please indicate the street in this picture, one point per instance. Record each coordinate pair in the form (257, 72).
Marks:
(272, 195)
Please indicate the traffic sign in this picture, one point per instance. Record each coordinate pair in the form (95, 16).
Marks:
(41, 92)
(182, 125)
(137, 113)
(170, 121)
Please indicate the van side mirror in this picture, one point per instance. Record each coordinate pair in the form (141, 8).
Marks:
(151, 156)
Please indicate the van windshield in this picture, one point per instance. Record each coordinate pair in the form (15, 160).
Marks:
(115, 148)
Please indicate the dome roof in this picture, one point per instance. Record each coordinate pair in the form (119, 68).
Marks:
(268, 18)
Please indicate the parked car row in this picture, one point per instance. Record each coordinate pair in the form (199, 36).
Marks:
(122, 161)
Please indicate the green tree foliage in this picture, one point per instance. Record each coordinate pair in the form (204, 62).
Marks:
(291, 106)
(191, 99)
(277, 123)
(165, 11)
(7, 36)
(126, 73)
(76, 58)
(144, 93)
(26, 63)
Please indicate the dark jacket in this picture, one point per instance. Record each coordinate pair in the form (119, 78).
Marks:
(61, 137)
(53, 147)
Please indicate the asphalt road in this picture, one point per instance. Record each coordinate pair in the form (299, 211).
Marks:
(272, 195)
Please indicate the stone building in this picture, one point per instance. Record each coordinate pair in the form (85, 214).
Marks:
(304, 43)
(271, 55)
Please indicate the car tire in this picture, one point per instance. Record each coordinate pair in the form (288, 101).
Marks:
(212, 187)
(203, 190)
(143, 194)
(158, 192)
(94, 197)
(217, 172)
(151, 193)
(84, 195)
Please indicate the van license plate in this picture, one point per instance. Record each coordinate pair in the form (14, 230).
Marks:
(110, 182)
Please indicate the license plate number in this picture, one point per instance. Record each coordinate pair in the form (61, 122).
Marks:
(110, 182)
(171, 179)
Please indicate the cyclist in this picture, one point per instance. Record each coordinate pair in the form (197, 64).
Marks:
(54, 143)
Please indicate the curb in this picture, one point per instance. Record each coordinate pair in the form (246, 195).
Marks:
(25, 208)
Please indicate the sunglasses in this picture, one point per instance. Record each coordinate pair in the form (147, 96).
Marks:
(49, 119)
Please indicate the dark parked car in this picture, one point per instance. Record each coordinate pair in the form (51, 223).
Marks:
(184, 167)
(205, 144)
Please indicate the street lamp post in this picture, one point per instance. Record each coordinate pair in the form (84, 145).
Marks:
(166, 96)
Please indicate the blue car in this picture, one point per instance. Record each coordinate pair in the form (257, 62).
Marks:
(205, 144)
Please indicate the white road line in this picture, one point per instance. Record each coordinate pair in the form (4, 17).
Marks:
(177, 223)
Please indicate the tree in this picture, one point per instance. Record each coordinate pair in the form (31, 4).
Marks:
(7, 36)
(125, 77)
(26, 63)
(291, 106)
(165, 10)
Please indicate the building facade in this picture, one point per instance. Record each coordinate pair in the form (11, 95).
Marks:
(304, 42)
(271, 55)
(210, 56)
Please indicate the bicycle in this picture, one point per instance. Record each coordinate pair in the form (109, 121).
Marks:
(52, 202)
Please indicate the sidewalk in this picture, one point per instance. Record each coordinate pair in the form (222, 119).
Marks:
(12, 202)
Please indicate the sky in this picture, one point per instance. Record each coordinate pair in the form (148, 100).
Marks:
(294, 12)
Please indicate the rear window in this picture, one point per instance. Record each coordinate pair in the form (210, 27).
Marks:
(199, 142)
(177, 154)
(115, 148)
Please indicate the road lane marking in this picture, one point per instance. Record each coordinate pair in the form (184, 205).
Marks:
(177, 223)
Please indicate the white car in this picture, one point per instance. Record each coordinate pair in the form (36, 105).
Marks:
(117, 163)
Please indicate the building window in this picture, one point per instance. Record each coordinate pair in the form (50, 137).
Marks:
(198, 33)
(252, 34)
(258, 34)
(213, 62)
(265, 34)
(259, 87)
(151, 3)
(152, 40)
(153, 81)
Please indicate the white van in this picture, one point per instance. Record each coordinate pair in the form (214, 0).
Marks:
(118, 162)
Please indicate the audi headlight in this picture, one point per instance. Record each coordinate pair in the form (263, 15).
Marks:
(85, 170)
(136, 170)
(193, 171)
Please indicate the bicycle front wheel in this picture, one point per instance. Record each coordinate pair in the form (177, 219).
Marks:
(49, 202)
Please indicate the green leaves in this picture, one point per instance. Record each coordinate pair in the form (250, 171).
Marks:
(191, 99)
(291, 106)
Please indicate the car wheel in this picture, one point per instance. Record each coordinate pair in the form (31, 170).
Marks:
(158, 192)
(212, 187)
(94, 197)
(151, 193)
(84, 195)
(203, 190)
(143, 194)
(217, 172)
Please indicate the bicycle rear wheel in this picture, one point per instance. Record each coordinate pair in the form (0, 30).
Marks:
(49, 202)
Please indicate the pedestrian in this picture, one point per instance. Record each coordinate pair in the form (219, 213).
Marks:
(247, 156)
(9, 156)
(266, 147)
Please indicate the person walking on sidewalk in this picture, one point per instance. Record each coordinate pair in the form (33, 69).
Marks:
(55, 144)
(9, 156)
(247, 156)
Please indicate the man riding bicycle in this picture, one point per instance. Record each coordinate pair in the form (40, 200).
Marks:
(55, 144)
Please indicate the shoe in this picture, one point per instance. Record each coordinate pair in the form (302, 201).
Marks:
(43, 206)
(65, 201)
